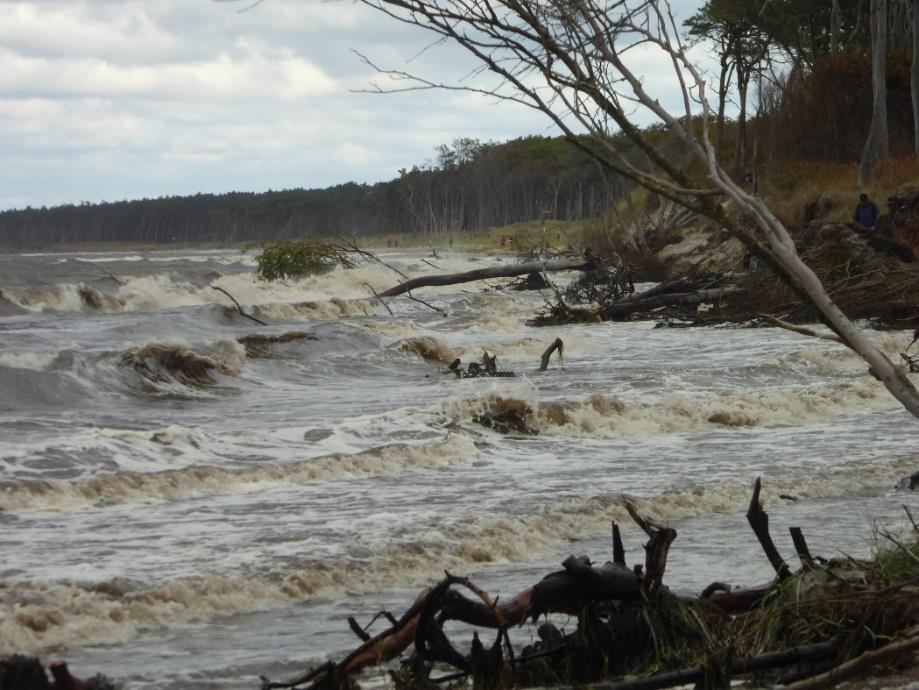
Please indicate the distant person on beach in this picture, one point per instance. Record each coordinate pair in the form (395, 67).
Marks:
(867, 212)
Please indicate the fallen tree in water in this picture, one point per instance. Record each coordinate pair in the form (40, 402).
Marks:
(578, 263)
(682, 293)
(807, 629)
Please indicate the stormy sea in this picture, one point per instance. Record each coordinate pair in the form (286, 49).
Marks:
(189, 499)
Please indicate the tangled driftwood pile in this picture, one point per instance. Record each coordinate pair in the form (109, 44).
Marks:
(807, 629)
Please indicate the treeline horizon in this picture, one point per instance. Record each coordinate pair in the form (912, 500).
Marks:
(472, 185)
(800, 74)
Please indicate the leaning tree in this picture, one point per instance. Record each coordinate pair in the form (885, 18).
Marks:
(578, 62)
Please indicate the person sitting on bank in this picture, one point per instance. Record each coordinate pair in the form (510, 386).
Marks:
(867, 212)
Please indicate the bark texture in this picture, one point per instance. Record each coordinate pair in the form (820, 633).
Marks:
(877, 145)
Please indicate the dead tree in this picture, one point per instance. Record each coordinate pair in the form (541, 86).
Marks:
(877, 145)
(625, 616)
(570, 61)
(914, 75)
(582, 263)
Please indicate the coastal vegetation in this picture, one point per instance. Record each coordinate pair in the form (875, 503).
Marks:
(283, 260)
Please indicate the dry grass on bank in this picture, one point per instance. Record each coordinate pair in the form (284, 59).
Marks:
(523, 236)
(798, 193)
(801, 192)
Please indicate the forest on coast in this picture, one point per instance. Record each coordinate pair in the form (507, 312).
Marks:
(797, 77)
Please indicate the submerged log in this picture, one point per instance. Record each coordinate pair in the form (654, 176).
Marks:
(759, 522)
(557, 344)
(581, 263)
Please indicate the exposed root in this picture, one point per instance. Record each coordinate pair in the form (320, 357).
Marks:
(628, 623)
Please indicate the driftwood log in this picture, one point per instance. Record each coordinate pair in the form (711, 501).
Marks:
(624, 308)
(580, 263)
(573, 590)
(668, 294)
(557, 344)
(629, 624)
(624, 619)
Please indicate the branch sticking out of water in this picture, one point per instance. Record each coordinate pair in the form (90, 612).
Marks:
(238, 306)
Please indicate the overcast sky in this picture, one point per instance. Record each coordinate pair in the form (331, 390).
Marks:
(122, 99)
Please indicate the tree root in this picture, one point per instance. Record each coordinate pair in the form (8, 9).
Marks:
(628, 622)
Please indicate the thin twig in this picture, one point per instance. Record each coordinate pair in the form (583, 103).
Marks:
(912, 520)
(350, 245)
(238, 306)
(857, 665)
(799, 329)
(421, 301)
(379, 298)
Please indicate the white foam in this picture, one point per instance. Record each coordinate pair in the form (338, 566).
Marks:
(35, 361)
(35, 617)
(198, 479)
(605, 416)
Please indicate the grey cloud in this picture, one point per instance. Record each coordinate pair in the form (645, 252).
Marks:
(129, 98)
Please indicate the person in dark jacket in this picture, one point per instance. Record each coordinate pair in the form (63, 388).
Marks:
(866, 213)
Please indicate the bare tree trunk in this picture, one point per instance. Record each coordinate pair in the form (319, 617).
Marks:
(877, 146)
(835, 21)
(914, 76)
(724, 81)
(743, 82)
(587, 48)
(582, 263)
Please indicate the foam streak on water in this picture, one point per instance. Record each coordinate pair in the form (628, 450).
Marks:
(181, 502)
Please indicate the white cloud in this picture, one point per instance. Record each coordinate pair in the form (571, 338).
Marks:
(70, 30)
(356, 155)
(255, 75)
(129, 98)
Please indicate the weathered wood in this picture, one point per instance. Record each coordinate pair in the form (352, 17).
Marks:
(659, 540)
(797, 536)
(618, 549)
(737, 600)
(357, 629)
(643, 302)
(761, 662)
(801, 330)
(504, 271)
(759, 522)
(457, 607)
(858, 665)
(557, 344)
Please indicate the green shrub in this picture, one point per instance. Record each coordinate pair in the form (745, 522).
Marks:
(295, 260)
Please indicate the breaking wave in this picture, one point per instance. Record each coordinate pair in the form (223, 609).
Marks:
(428, 348)
(607, 416)
(41, 616)
(164, 364)
(324, 310)
(325, 296)
(260, 346)
(199, 480)
(10, 308)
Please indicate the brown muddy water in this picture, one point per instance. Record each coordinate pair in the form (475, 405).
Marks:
(180, 509)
